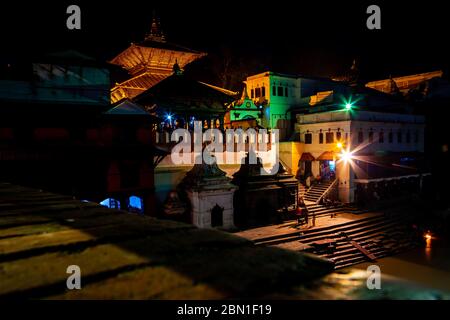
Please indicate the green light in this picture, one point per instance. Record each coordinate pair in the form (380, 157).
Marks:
(348, 106)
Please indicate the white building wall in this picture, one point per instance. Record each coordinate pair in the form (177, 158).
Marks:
(350, 123)
(316, 148)
(386, 128)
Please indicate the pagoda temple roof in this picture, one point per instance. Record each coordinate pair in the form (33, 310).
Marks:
(136, 85)
(180, 92)
(158, 55)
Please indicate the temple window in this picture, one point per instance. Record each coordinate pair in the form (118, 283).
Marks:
(360, 137)
(370, 136)
(263, 91)
(274, 90)
(329, 137)
(286, 92)
(308, 138)
(408, 137)
(320, 137)
(381, 137)
(391, 137)
(257, 92)
(338, 135)
(399, 137)
(252, 93)
(280, 91)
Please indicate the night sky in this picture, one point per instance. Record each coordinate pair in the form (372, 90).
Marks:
(316, 38)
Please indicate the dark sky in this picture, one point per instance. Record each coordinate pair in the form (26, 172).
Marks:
(318, 38)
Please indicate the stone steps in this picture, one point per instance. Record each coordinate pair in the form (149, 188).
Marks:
(354, 233)
(304, 234)
(316, 191)
(379, 235)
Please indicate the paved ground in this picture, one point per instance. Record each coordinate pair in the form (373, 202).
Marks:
(291, 226)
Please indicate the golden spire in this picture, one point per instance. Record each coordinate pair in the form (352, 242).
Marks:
(155, 30)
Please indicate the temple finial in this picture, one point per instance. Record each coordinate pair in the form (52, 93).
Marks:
(156, 33)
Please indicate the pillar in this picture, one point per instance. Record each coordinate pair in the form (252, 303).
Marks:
(344, 176)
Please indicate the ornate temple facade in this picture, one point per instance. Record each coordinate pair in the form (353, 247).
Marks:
(320, 119)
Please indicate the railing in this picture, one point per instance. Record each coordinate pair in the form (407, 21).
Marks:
(237, 143)
(330, 188)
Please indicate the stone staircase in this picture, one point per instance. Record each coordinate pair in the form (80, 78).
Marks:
(301, 190)
(322, 210)
(378, 235)
(317, 190)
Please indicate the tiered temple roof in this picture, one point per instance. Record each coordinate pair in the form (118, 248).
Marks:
(182, 96)
(150, 61)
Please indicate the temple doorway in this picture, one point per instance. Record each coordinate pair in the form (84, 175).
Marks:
(327, 169)
(216, 216)
(308, 168)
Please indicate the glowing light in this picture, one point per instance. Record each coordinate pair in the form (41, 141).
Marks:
(348, 106)
(135, 202)
(345, 155)
(339, 145)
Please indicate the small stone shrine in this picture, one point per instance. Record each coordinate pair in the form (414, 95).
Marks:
(262, 198)
(210, 194)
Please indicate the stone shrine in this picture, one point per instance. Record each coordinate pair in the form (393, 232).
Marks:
(210, 194)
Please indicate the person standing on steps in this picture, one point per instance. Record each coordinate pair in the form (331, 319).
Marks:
(308, 181)
(302, 205)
